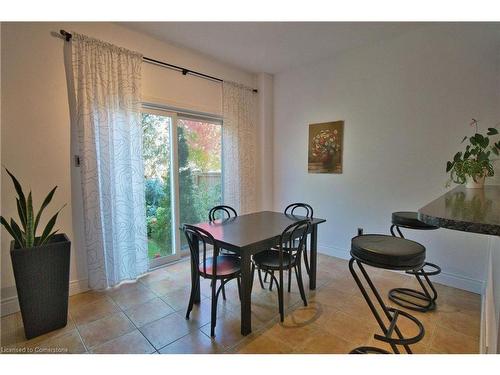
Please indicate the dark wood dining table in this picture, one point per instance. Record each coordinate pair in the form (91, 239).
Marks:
(249, 234)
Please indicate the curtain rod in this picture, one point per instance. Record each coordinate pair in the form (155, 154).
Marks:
(67, 36)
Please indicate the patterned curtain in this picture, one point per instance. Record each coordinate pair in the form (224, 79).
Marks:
(239, 133)
(106, 82)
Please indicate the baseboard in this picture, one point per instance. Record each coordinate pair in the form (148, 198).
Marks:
(10, 305)
(445, 278)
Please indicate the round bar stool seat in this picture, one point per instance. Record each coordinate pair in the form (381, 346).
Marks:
(383, 251)
(409, 219)
(386, 252)
(410, 298)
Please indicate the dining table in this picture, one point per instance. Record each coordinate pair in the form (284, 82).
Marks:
(247, 235)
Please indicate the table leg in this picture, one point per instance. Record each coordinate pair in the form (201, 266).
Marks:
(314, 256)
(246, 295)
(195, 276)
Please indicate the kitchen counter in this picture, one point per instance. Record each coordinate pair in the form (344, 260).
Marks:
(468, 210)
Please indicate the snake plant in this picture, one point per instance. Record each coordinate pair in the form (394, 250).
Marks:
(25, 235)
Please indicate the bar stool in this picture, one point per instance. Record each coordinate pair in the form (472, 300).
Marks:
(424, 300)
(393, 253)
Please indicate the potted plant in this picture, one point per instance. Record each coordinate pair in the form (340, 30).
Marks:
(471, 166)
(41, 265)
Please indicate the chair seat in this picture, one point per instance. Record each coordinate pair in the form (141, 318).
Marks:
(271, 259)
(390, 252)
(227, 266)
(408, 219)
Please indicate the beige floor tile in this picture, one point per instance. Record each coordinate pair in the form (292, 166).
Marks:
(227, 330)
(68, 343)
(352, 329)
(153, 276)
(324, 343)
(94, 311)
(464, 322)
(263, 344)
(11, 322)
(16, 337)
(451, 342)
(202, 312)
(177, 299)
(193, 343)
(131, 343)
(166, 330)
(168, 285)
(148, 312)
(105, 329)
(128, 298)
(81, 299)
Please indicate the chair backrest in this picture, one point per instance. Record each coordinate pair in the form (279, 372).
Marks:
(294, 237)
(304, 210)
(195, 236)
(224, 210)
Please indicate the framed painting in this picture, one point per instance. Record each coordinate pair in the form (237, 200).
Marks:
(326, 145)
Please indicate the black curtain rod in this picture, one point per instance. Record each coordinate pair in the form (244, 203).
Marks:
(183, 70)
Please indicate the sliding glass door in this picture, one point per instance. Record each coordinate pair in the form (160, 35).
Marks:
(200, 169)
(182, 178)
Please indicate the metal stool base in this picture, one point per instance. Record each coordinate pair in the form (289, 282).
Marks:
(428, 298)
(390, 313)
(368, 350)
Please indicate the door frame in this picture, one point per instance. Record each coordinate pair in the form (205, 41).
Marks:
(174, 187)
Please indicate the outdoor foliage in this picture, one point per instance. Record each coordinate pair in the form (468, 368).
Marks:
(198, 151)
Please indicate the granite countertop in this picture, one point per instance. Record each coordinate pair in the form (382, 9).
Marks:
(468, 210)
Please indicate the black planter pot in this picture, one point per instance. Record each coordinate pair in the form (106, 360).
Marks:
(42, 283)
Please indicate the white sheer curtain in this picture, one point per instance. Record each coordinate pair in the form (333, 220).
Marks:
(106, 82)
(239, 133)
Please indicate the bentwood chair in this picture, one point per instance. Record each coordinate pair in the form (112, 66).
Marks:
(224, 213)
(221, 212)
(287, 255)
(293, 209)
(216, 267)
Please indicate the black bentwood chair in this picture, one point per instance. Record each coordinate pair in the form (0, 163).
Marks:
(217, 267)
(224, 213)
(223, 210)
(302, 209)
(287, 255)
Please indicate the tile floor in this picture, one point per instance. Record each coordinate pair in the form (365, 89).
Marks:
(148, 317)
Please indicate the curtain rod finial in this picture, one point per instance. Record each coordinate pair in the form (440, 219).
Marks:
(66, 35)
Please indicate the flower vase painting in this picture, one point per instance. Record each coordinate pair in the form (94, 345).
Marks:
(326, 147)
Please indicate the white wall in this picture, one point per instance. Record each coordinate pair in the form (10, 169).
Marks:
(406, 103)
(36, 134)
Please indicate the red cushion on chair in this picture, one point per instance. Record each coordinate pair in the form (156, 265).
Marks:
(227, 266)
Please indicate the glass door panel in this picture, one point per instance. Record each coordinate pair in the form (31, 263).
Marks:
(160, 213)
(200, 173)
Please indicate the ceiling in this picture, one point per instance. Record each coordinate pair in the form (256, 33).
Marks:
(271, 47)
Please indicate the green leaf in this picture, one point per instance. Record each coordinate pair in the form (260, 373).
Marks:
(48, 238)
(19, 190)
(18, 232)
(11, 231)
(457, 156)
(49, 227)
(464, 139)
(495, 151)
(45, 203)
(30, 234)
(492, 131)
(449, 165)
(21, 213)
